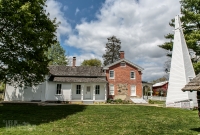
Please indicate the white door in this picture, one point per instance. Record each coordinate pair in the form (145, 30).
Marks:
(133, 90)
(88, 93)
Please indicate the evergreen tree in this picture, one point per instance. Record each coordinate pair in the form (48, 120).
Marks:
(190, 18)
(91, 62)
(56, 54)
(26, 33)
(113, 47)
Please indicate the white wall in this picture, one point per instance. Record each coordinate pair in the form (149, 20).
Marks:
(65, 92)
(101, 96)
(47, 92)
(74, 95)
(25, 94)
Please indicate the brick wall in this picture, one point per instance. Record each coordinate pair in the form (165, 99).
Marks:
(122, 76)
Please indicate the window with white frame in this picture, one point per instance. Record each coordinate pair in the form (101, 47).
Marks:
(78, 89)
(58, 90)
(133, 90)
(123, 64)
(112, 74)
(97, 89)
(111, 92)
(132, 74)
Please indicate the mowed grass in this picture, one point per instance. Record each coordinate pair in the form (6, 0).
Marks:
(97, 120)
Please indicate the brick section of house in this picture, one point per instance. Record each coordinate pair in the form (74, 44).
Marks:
(122, 77)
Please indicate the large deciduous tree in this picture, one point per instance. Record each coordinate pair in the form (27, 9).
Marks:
(113, 47)
(91, 62)
(56, 54)
(190, 10)
(26, 33)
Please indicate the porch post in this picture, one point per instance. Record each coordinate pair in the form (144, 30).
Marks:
(71, 93)
(93, 92)
(105, 92)
(82, 92)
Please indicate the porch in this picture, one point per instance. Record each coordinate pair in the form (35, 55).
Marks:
(89, 92)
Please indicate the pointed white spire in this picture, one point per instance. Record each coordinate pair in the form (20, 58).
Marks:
(181, 69)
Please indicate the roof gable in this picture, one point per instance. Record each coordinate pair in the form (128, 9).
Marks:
(123, 60)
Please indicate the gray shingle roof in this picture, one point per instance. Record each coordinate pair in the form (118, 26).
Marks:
(76, 71)
(78, 80)
(77, 74)
(193, 85)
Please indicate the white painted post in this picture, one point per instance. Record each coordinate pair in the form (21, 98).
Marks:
(93, 92)
(82, 92)
(151, 91)
(105, 92)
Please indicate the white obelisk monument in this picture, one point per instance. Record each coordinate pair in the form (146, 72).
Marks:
(181, 70)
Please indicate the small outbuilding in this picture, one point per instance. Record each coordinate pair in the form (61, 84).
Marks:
(194, 85)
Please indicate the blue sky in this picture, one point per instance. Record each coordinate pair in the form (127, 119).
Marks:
(139, 24)
(75, 11)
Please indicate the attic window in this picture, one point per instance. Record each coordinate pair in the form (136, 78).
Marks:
(123, 64)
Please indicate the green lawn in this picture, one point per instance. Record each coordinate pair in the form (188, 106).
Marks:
(97, 119)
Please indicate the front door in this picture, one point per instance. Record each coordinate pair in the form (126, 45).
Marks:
(88, 93)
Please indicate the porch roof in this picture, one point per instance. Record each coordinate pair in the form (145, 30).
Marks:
(79, 80)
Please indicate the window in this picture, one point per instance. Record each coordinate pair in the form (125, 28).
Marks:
(111, 89)
(132, 75)
(97, 89)
(133, 90)
(122, 64)
(78, 89)
(111, 74)
(58, 91)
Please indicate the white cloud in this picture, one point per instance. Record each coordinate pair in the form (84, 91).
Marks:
(140, 27)
(54, 8)
(77, 10)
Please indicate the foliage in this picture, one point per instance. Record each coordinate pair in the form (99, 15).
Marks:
(91, 62)
(162, 79)
(2, 87)
(26, 32)
(97, 119)
(196, 67)
(113, 47)
(190, 18)
(56, 54)
(156, 102)
(118, 101)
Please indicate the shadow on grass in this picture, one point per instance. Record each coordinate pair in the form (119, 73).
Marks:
(35, 115)
(196, 129)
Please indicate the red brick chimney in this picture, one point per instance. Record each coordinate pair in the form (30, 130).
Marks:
(74, 62)
(121, 53)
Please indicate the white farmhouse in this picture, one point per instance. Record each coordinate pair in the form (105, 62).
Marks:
(65, 83)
